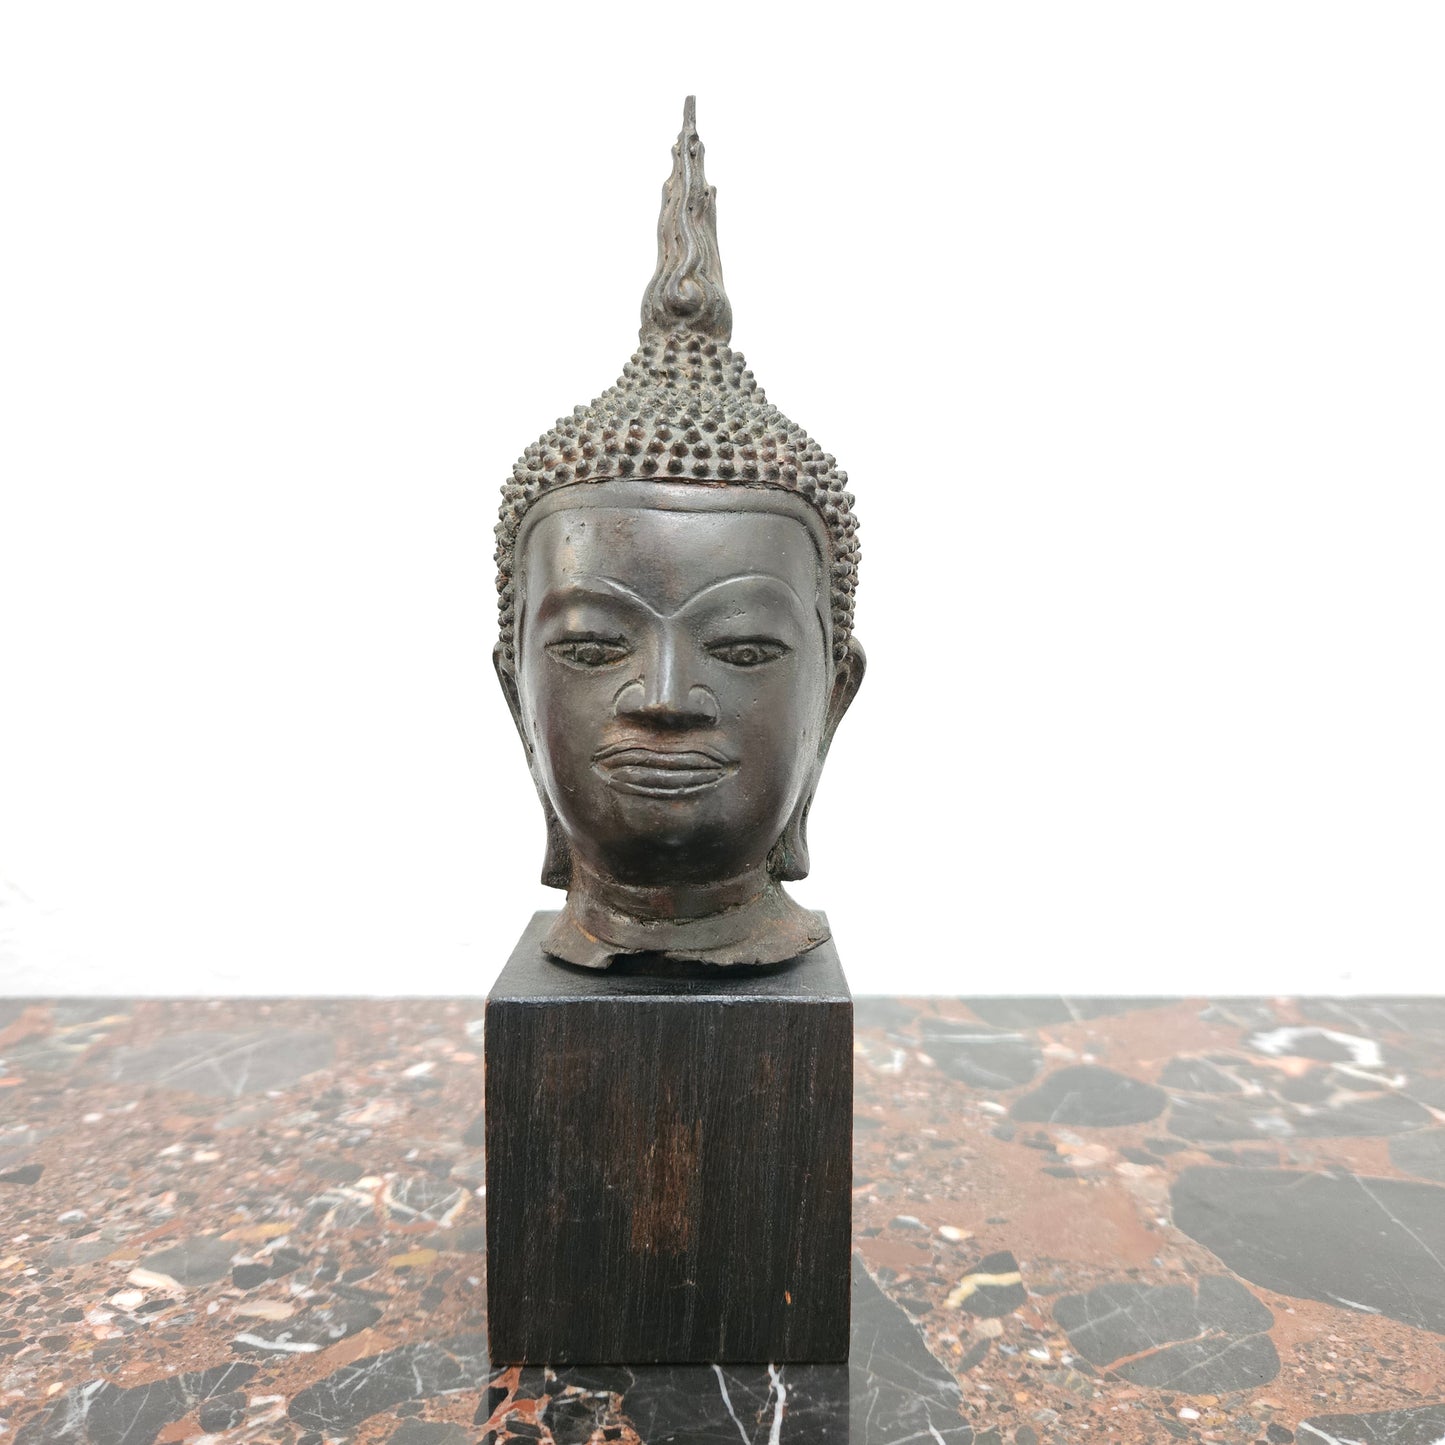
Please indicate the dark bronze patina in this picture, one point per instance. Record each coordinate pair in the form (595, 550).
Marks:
(677, 562)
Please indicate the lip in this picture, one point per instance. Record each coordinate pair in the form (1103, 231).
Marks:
(652, 772)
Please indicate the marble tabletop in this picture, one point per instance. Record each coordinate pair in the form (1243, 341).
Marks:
(1074, 1220)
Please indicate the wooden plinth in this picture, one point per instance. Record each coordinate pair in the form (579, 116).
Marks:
(669, 1162)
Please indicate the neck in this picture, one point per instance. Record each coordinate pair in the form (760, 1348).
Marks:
(743, 920)
(666, 903)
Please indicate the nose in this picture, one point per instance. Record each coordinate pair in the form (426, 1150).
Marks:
(663, 696)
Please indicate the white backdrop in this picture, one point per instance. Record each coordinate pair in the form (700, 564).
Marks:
(1125, 319)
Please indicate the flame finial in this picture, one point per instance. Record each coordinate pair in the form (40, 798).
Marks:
(687, 287)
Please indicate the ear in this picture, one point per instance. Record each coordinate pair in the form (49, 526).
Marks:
(847, 679)
(557, 864)
(507, 676)
(789, 858)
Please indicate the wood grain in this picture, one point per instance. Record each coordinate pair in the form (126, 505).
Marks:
(669, 1161)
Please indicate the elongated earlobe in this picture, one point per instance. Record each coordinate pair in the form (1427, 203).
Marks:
(789, 858)
(557, 863)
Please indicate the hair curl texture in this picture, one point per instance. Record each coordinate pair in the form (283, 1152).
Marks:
(685, 409)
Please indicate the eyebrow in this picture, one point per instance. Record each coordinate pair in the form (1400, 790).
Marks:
(606, 589)
(742, 577)
(609, 590)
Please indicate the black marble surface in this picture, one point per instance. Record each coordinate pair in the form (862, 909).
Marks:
(1074, 1220)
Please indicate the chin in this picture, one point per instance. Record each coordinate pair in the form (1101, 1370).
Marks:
(654, 858)
(659, 861)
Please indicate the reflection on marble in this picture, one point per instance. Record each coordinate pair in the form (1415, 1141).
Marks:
(1090, 1095)
(1035, 1011)
(987, 1058)
(1121, 1220)
(1422, 1155)
(224, 1064)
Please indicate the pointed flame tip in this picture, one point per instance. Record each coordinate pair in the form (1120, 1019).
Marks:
(687, 288)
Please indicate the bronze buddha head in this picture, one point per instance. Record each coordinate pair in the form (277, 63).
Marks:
(677, 562)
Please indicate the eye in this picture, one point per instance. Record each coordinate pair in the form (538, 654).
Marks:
(590, 651)
(749, 651)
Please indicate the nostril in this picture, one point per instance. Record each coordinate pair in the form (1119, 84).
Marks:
(631, 699)
(666, 707)
(703, 703)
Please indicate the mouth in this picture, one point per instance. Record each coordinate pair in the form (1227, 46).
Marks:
(662, 772)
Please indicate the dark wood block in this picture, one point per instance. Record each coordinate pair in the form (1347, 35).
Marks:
(669, 1161)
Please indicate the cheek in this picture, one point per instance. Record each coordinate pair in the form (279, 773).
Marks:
(778, 714)
(564, 712)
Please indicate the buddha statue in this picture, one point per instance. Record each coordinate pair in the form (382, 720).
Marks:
(676, 568)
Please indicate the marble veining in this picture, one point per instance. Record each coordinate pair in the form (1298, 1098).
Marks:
(1074, 1220)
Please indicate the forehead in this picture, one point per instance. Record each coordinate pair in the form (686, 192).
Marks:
(668, 553)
